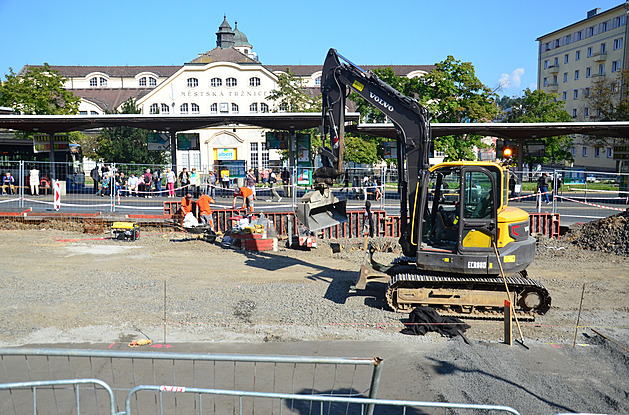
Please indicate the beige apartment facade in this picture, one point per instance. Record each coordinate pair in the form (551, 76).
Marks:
(572, 59)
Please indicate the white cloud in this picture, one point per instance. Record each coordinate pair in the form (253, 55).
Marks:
(512, 80)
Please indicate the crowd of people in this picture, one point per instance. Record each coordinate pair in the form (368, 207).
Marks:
(155, 182)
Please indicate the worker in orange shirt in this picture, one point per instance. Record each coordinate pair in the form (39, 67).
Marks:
(247, 196)
(186, 204)
(205, 211)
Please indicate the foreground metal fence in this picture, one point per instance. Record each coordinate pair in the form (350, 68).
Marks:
(125, 370)
(59, 381)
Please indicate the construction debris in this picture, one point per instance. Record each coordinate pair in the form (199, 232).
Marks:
(610, 234)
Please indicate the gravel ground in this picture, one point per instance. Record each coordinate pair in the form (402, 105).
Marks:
(66, 287)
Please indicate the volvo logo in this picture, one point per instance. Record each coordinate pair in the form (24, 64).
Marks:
(380, 101)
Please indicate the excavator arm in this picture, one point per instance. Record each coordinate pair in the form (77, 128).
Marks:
(409, 117)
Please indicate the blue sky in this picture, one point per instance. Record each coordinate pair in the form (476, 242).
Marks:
(498, 37)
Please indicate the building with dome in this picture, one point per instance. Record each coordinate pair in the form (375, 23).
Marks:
(228, 79)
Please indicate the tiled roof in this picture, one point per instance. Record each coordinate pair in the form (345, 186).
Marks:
(223, 55)
(109, 99)
(112, 71)
(307, 70)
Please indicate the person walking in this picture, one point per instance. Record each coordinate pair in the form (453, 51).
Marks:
(195, 182)
(250, 182)
(273, 184)
(157, 179)
(225, 179)
(542, 186)
(211, 181)
(184, 181)
(95, 175)
(286, 182)
(170, 182)
(34, 181)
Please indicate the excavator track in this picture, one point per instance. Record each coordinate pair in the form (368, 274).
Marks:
(467, 296)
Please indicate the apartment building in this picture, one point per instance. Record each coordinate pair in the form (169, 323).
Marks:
(571, 60)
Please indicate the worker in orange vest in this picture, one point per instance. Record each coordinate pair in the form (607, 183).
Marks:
(247, 196)
(205, 211)
(186, 204)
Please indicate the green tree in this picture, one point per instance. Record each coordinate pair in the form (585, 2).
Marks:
(39, 91)
(453, 93)
(291, 96)
(608, 100)
(541, 106)
(127, 144)
(359, 150)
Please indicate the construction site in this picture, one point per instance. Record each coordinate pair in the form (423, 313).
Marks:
(68, 285)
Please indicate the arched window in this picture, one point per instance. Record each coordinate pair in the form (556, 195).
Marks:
(102, 81)
(94, 82)
(318, 81)
(231, 82)
(234, 108)
(143, 81)
(216, 82)
(253, 107)
(154, 109)
(165, 109)
(195, 108)
(264, 107)
(214, 108)
(192, 82)
(152, 81)
(284, 107)
(254, 81)
(183, 109)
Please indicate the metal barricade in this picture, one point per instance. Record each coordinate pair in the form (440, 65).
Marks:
(50, 397)
(125, 370)
(311, 402)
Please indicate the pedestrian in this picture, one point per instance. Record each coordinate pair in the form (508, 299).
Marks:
(225, 179)
(211, 182)
(247, 198)
(170, 182)
(250, 182)
(157, 179)
(95, 175)
(184, 180)
(195, 182)
(365, 186)
(33, 177)
(542, 186)
(272, 184)
(265, 176)
(286, 182)
(133, 184)
(148, 182)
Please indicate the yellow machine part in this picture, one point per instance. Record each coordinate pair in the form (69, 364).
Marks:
(123, 225)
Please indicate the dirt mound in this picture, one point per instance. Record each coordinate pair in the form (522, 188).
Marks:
(609, 235)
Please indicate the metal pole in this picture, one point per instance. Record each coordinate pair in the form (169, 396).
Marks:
(375, 383)
(51, 139)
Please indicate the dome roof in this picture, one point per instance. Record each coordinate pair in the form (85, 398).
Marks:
(239, 38)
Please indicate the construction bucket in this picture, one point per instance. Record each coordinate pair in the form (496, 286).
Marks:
(320, 209)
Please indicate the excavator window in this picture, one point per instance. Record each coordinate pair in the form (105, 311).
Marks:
(479, 195)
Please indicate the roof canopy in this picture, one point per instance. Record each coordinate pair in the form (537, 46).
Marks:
(65, 123)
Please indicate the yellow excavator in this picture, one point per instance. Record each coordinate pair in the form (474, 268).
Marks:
(454, 216)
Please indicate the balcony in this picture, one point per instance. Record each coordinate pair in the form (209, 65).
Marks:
(552, 87)
(553, 69)
(600, 56)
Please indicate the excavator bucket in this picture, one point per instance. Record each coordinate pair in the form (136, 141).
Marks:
(320, 209)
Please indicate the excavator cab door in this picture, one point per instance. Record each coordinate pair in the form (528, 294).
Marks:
(478, 225)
